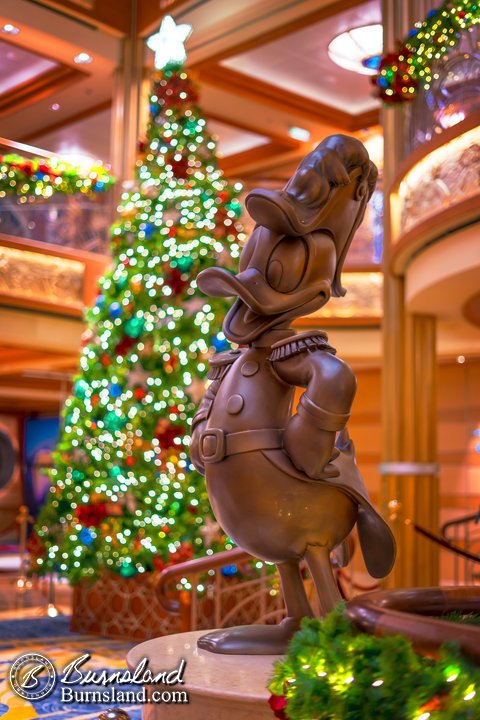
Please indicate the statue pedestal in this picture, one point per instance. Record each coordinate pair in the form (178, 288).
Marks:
(224, 687)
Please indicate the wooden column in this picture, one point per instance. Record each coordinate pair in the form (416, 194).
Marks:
(409, 490)
(127, 106)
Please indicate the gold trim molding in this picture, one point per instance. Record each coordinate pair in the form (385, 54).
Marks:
(41, 278)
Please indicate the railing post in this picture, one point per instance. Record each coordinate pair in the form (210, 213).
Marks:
(23, 519)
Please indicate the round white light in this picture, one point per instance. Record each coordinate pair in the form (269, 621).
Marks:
(55, 107)
(10, 29)
(83, 58)
(358, 49)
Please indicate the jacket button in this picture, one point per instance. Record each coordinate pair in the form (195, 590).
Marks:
(249, 368)
(234, 404)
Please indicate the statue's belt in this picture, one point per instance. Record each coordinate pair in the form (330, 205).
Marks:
(216, 444)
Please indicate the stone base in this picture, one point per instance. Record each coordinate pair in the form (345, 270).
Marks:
(223, 687)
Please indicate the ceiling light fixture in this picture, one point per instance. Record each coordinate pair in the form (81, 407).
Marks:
(10, 29)
(82, 58)
(359, 49)
(298, 133)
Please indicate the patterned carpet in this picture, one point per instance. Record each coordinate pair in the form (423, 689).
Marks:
(51, 637)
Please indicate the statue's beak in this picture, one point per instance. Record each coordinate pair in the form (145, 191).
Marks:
(259, 307)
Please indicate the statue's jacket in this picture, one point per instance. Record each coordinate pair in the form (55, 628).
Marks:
(244, 426)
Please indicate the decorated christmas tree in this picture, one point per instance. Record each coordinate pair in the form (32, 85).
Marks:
(124, 495)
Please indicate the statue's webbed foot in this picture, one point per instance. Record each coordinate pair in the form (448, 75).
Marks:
(251, 639)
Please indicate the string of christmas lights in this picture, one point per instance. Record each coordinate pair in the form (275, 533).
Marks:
(334, 671)
(30, 178)
(401, 73)
(124, 494)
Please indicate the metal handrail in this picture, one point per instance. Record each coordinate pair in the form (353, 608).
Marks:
(460, 521)
(439, 540)
(191, 567)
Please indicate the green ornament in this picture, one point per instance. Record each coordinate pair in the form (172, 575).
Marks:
(122, 281)
(80, 389)
(115, 471)
(127, 570)
(184, 263)
(67, 420)
(134, 327)
(234, 206)
(63, 507)
(113, 422)
(78, 475)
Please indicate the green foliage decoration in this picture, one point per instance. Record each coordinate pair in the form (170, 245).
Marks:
(332, 671)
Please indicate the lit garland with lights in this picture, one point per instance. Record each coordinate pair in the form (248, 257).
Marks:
(400, 74)
(124, 494)
(42, 177)
(333, 671)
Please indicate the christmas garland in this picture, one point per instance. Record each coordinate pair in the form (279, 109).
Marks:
(43, 177)
(400, 74)
(334, 672)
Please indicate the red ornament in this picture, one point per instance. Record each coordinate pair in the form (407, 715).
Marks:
(192, 509)
(43, 168)
(35, 546)
(124, 345)
(179, 167)
(401, 79)
(438, 702)
(26, 168)
(105, 359)
(166, 432)
(130, 461)
(158, 564)
(223, 195)
(95, 400)
(183, 553)
(176, 280)
(278, 703)
(91, 514)
(139, 393)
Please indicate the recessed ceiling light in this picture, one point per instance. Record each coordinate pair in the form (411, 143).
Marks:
(83, 58)
(299, 133)
(359, 49)
(10, 29)
(55, 106)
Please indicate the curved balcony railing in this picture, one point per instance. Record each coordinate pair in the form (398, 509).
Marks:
(437, 190)
(77, 221)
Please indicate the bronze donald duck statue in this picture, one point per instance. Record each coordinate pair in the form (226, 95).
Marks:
(286, 487)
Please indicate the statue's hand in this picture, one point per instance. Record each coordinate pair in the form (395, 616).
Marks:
(194, 448)
(310, 448)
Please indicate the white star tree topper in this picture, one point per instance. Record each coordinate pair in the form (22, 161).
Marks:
(167, 44)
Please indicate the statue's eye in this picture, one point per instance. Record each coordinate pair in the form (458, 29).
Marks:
(287, 263)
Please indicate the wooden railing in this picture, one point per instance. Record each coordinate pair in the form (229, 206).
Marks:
(208, 599)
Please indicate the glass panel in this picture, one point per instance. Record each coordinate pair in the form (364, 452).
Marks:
(75, 221)
(453, 95)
